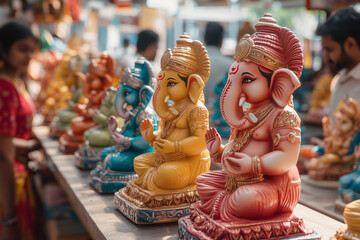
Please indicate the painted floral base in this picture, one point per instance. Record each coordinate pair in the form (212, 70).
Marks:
(87, 158)
(143, 215)
(201, 226)
(107, 181)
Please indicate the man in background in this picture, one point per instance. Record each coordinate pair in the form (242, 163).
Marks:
(220, 64)
(146, 46)
(341, 43)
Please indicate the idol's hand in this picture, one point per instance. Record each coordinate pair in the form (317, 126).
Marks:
(213, 140)
(164, 146)
(112, 124)
(238, 163)
(147, 130)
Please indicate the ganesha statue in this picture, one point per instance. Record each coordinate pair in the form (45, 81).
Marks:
(60, 88)
(165, 186)
(338, 158)
(253, 197)
(350, 183)
(131, 104)
(320, 98)
(61, 121)
(98, 137)
(350, 231)
(98, 80)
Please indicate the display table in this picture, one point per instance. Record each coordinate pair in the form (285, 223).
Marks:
(320, 199)
(99, 215)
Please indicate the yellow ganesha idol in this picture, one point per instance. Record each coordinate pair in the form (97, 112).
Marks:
(166, 178)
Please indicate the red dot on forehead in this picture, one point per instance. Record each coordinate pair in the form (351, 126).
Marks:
(161, 76)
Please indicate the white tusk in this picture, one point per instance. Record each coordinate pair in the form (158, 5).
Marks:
(166, 99)
(241, 101)
(253, 118)
(125, 105)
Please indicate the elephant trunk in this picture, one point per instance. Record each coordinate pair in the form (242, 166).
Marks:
(160, 103)
(122, 108)
(231, 105)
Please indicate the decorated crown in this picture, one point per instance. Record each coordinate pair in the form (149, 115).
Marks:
(188, 57)
(271, 46)
(142, 74)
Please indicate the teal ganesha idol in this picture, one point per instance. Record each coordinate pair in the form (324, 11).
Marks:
(98, 137)
(132, 104)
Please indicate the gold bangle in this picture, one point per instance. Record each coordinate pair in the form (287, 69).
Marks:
(218, 153)
(256, 166)
(177, 146)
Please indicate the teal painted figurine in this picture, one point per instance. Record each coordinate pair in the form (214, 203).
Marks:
(132, 104)
(350, 183)
(99, 137)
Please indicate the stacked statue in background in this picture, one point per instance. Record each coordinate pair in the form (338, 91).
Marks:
(67, 77)
(339, 156)
(165, 186)
(62, 120)
(253, 197)
(99, 137)
(98, 80)
(132, 104)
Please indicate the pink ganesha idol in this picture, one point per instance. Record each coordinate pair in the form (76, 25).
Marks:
(253, 197)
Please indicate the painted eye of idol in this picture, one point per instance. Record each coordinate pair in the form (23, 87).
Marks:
(126, 92)
(247, 77)
(171, 82)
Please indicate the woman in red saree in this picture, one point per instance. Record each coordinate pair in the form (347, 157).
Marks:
(17, 204)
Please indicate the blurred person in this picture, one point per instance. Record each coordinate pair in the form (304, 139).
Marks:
(341, 43)
(17, 203)
(146, 46)
(220, 64)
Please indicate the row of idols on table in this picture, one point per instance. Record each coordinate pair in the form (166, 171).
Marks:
(159, 170)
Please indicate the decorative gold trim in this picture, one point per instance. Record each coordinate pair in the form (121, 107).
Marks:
(276, 139)
(178, 146)
(217, 154)
(291, 137)
(246, 51)
(143, 198)
(287, 119)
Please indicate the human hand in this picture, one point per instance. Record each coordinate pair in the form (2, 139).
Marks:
(112, 124)
(164, 146)
(147, 130)
(213, 140)
(238, 163)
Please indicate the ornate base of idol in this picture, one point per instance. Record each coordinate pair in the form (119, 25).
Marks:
(201, 226)
(320, 183)
(71, 140)
(87, 158)
(107, 181)
(143, 207)
(331, 173)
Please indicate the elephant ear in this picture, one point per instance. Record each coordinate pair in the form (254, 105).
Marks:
(283, 84)
(194, 87)
(145, 94)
